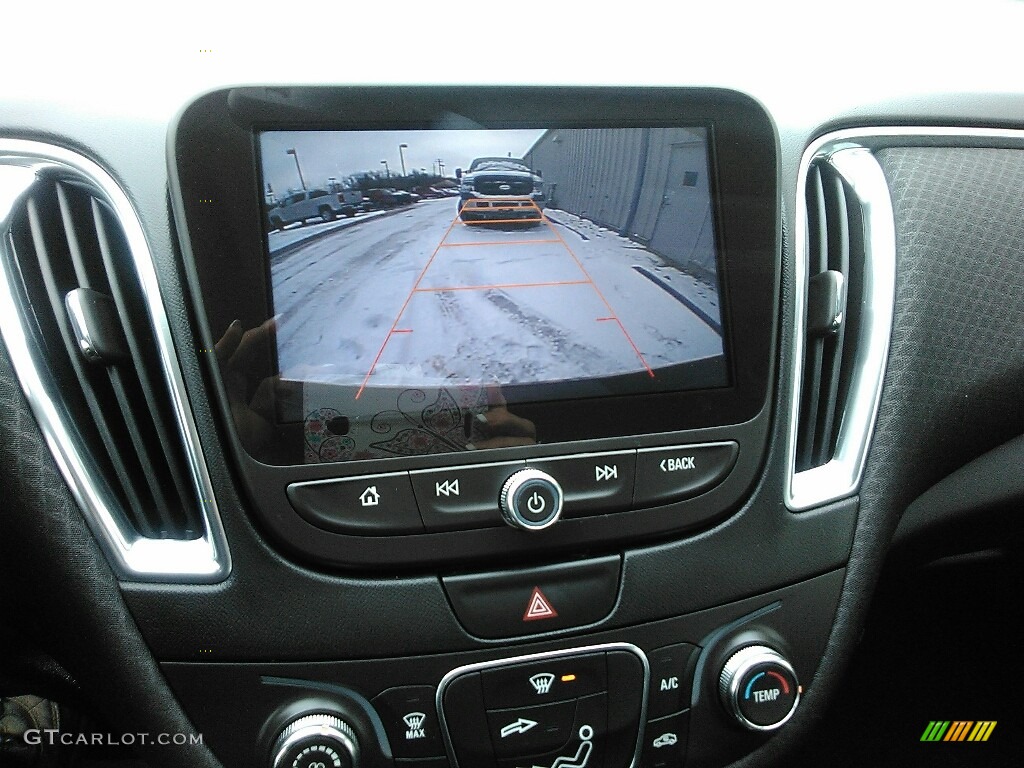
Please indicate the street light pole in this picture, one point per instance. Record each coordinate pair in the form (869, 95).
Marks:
(295, 154)
(401, 154)
(387, 171)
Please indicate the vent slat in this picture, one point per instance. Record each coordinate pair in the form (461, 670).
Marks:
(832, 248)
(71, 236)
(838, 260)
(817, 238)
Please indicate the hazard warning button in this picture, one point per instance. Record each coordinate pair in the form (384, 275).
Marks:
(535, 600)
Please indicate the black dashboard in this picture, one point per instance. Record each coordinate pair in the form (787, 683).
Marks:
(487, 426)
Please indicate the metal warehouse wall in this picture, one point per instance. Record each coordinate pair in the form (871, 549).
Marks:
(648, 184)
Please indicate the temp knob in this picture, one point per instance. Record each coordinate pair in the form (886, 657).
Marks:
(759, 688)
(314, 741)
(531, 500)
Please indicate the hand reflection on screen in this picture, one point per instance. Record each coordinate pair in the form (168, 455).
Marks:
(497, 427)
(242, 355)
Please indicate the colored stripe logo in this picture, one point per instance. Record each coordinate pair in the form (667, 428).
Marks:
(958, 730)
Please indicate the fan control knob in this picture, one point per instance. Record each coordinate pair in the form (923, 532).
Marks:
(314, 741)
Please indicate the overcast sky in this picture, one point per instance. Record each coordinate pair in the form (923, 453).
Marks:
(342, 153)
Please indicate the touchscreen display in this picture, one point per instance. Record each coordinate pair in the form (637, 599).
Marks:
(424, 279)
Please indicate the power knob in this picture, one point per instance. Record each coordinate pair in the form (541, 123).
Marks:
(531, 500)
(759, 688)
(316, 741)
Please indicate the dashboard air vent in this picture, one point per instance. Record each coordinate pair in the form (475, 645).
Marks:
(94, 355)
(834, 243)
(845, 283)
(83, 297)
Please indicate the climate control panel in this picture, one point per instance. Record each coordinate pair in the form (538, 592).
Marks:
(572, 709)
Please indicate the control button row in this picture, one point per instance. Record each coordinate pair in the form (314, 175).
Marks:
(468, 497)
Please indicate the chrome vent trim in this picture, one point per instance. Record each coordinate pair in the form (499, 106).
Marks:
(133, 556)
(840, 476)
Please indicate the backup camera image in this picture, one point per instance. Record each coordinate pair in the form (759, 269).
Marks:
(492, 257)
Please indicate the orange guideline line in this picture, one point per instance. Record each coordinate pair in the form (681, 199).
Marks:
(590, 280)
(497, 286)
(398, 317)
(498, 242)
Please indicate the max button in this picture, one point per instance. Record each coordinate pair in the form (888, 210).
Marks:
(535, 600)
(409, 714)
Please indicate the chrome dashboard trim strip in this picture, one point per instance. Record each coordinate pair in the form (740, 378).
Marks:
(479, 666)
(850, 153)
(133, 557)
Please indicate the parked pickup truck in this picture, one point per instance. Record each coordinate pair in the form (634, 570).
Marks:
(499, 189)
(309, 204)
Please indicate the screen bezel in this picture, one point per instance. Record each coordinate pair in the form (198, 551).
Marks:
(216, 149)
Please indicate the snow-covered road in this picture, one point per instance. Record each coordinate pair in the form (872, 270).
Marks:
(418, 298)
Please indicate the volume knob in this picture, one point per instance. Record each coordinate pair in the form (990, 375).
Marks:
(316, 740)
(531, 500)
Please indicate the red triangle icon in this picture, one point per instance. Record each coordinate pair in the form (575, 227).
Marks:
(539, 607)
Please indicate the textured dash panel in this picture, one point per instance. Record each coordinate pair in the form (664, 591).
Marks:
(955, 383)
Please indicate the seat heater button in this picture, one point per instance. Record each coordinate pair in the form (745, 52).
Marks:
(588, 740)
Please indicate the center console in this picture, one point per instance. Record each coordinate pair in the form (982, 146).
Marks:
(495, 371)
